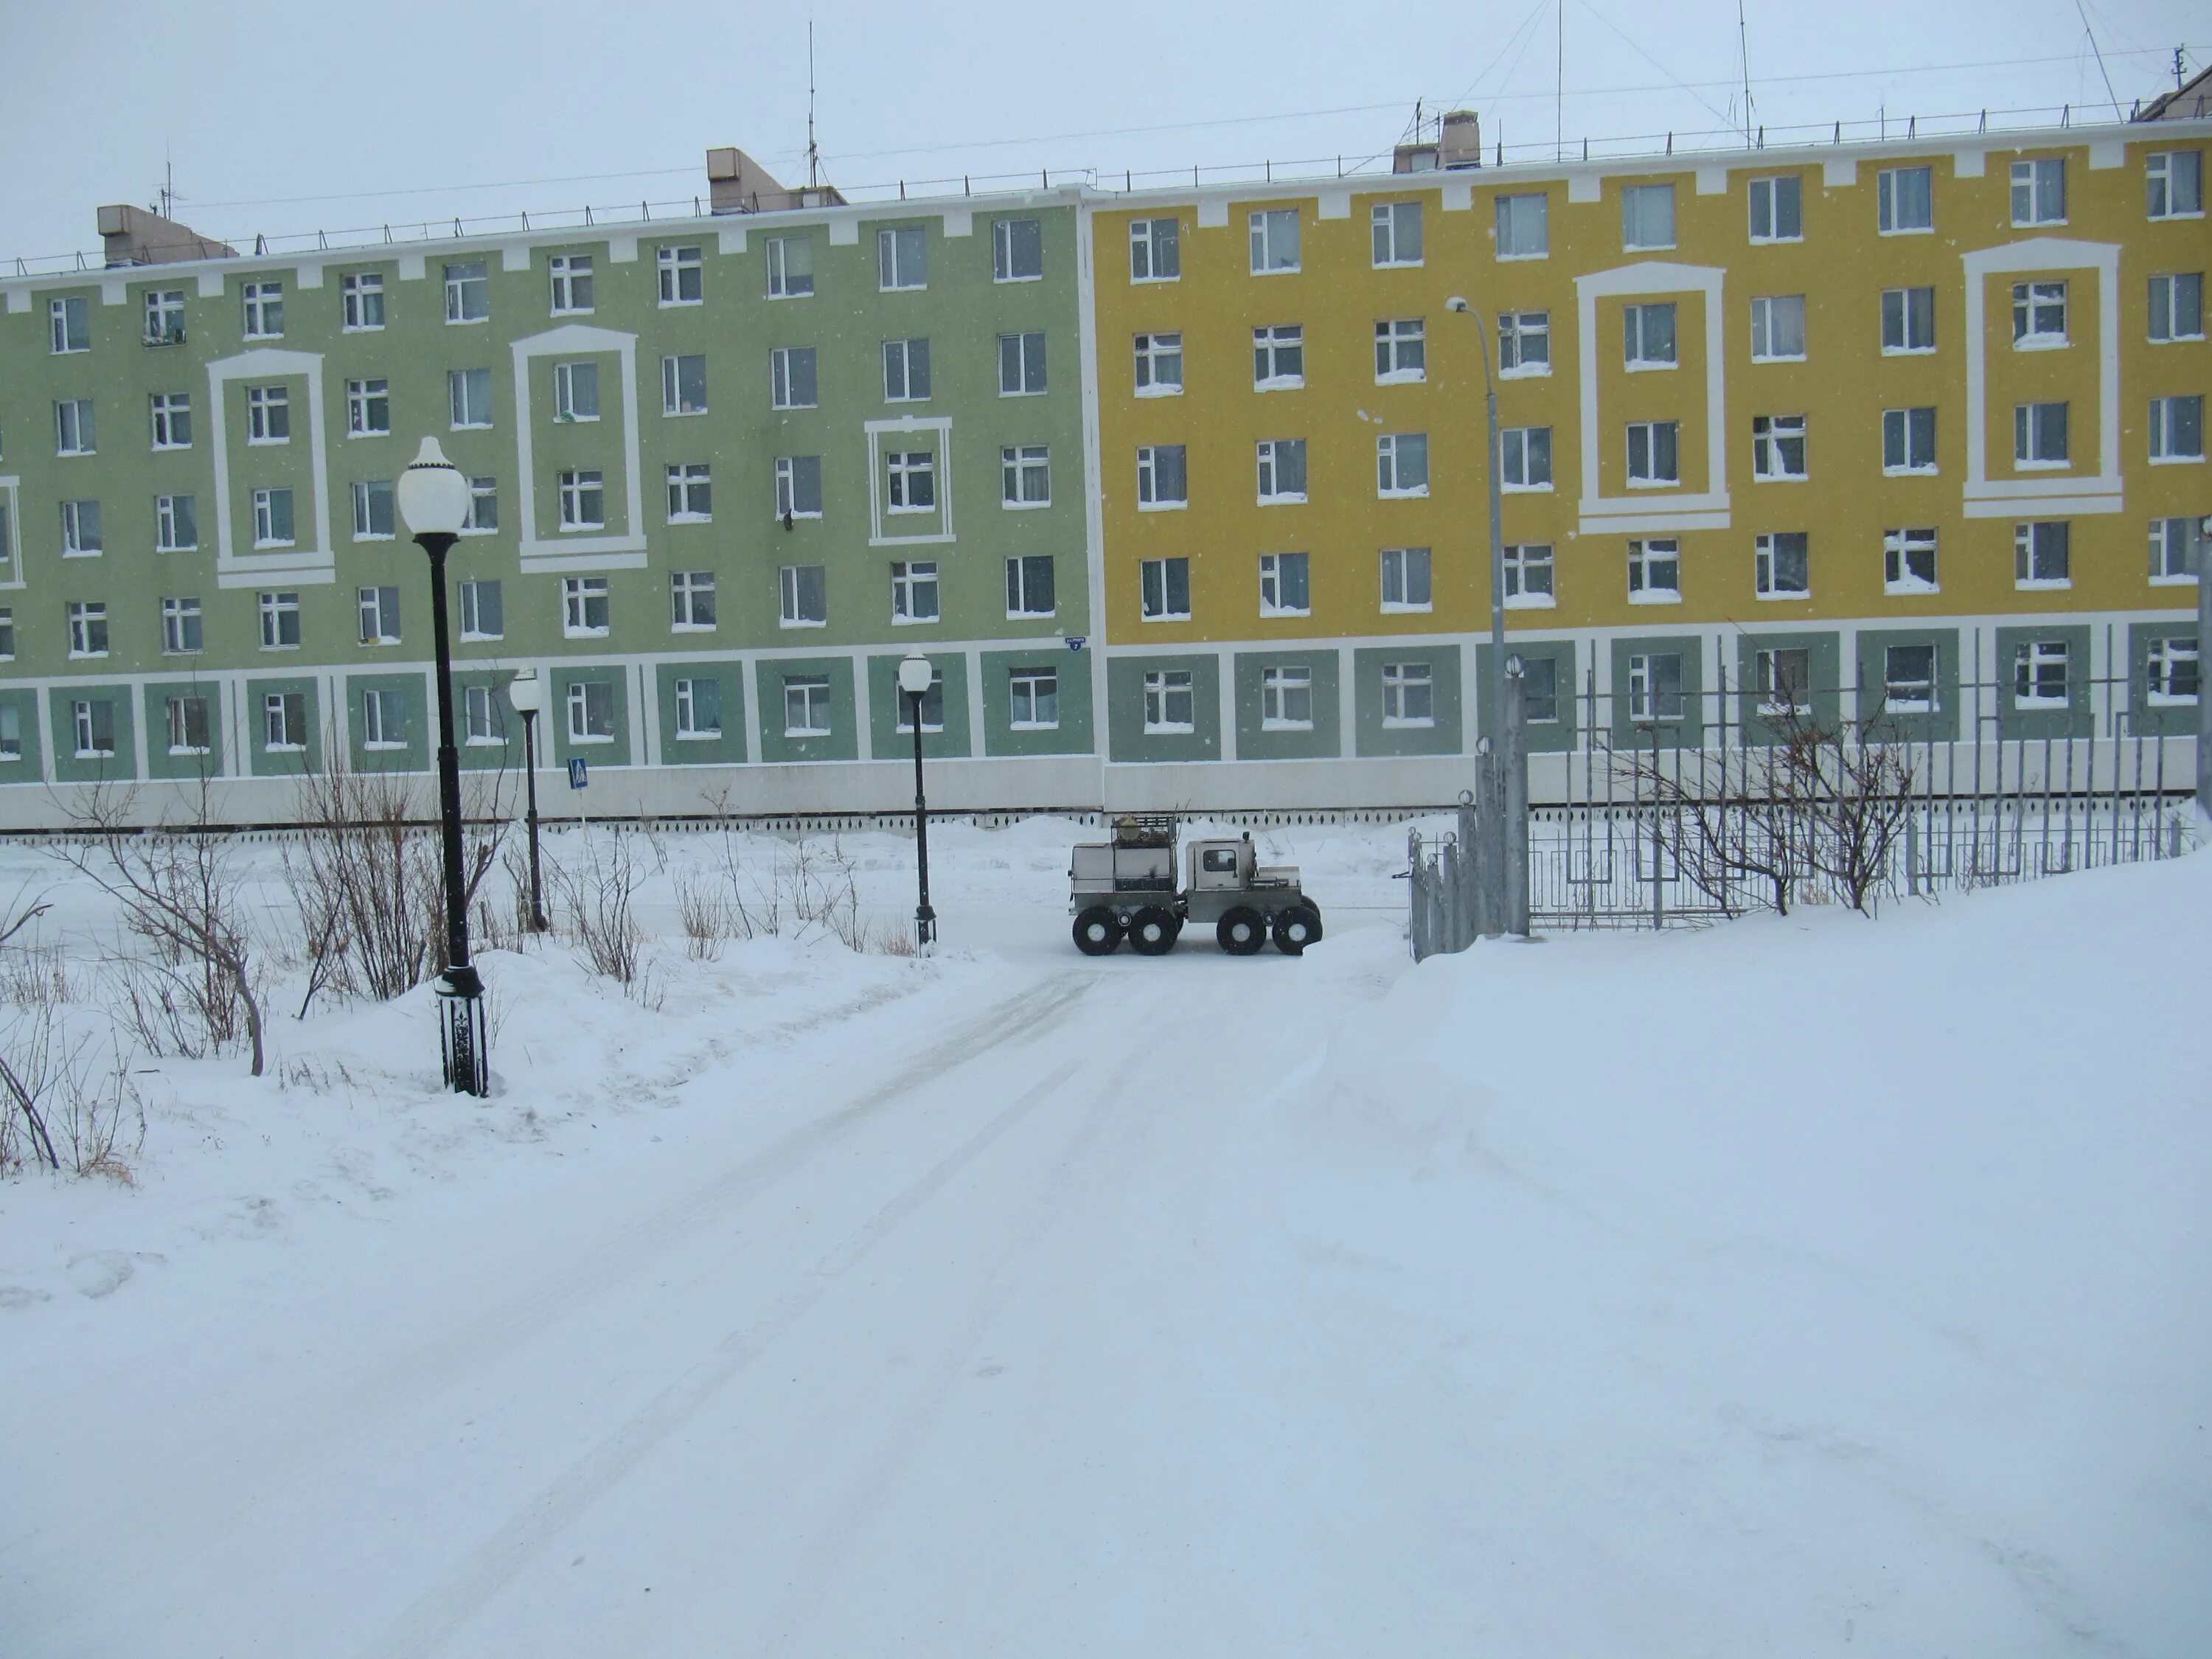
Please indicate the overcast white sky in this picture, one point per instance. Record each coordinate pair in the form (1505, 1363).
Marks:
(288, 117)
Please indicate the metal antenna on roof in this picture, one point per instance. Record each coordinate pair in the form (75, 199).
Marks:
(813, 155)
(2082, 12)
(1743, 57)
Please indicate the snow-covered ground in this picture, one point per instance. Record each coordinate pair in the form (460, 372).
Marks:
(1799, 1286)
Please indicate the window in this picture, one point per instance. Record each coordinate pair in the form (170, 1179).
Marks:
(913, 481)
(1017, 250)
(1646, 216)
(1908, 440)
(1778, 447)
(914, 592)
(2038, 191)
(1406, 579)
(2176, 429)
(799, 486)
(806, 595)
(180, 627)
(1527, 457)
(70, 323)
(2170, 560)
(1033, 698)
(583, 500)
(280, 621)
(1401, 464)
(691, 492)
(584, 608)
(805, 706)
(380, 615)
(791, 378)
(165, 316)
(1539, 689)
(268, 414)
(1170, 703)
(1648, 335)
(576, 392)
(368, 409)
(469, 393)
(1029, 585)
(1655, 572)
(2172, 669)
(1908, 679)
(1782, 679)
(590, 711)
(1159, 365)
(176, 524)
(484, 507)
(284, 721)
(468, 292)
(2038, 434)
(265, 310)
(1654, 687)
(1021, 365)
(1908, 320)
(1409, 693)
(484, 610)
(698, 708)
(1397, 232)
(2039, 673)
(75, 432)
(1908, 561)
(1907, 198)
(173, 420)
(1654, 461)
(1286, 699)
(683, 276)
(187, 722)
(1778, 210)
(1162, 480)
(1155, 251)
(363, 301)
(1524, 226)
(572, 281)
(95, 728)
(87, 628)
(1282, 470)
(2039, 315)
(1524, 343)
(790, 267)
(1777, 328)
(1284, 590)
(272, 518)
(7, 633)
(1529, 573)
(2177, 306)
(1279, 357)
(1025, 472)
(1400, 351)
(690, 600)
(683, 384)
(2041, 554)
(483, 718)
(81, 537)
(906, 371)
(372, 511)
(2175, 179)
(1166, 589)
(1783, 565)
(1274, 241)
(901, 260)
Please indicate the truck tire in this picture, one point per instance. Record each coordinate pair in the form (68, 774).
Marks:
(1152, 932)
(1097, 932)
(1295, 928)
(1313, 910)
(1241, 932)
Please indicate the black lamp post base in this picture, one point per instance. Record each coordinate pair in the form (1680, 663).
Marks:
(461, 1032)
(925, 929)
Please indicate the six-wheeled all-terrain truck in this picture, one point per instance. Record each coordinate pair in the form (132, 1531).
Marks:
(1125, 888)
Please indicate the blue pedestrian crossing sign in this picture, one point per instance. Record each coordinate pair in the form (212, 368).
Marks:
(579, 778)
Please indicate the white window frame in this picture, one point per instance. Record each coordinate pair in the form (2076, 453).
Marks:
(1020, 601)
(1651, 478)
(691, 608)
(2172, 559)
(901, 259)
(792, 585)
(1276, 250)
(264, 519)
(1153, 577)
(786, 487)
(1400, 566)
(1771, 318)
(472, 594)
(1518, 331)
(1765, 197)
(908, 475)
(1276, 458)
(782, 383)
(1638, 203)
(165, 316)
(571, 276)
(2034, 183)
(1771, 436)
(680, 267)
(1024, 347)
(784, 282)
(277, 725)
(570, 377)
(810, 716)
(914, 583)
(366, 494)
(1511, 211)
(84, 534)
(576, 489)
(1655, 570)
(1283, 688)
(2163, 656)
(360, 292)
(1004, 254)
(378, 607)
(2028, 555)
(1522, 452)
(265, 310)
(2029, 658)
(1386, 225)
(268, 408)
(691, 492)
(483, 517)
(87, 715)
(1145, 236)
(1766, 572)
(909, 354)
(1902, 550)
(76, 428)
(674, 404)
(183, 633)
(688, 725)
(1025, 476)
(70, 325)
(363, 398)
(1401, 351)
(1911, 305)
(2169, 321)
(1931, 689)
(87, 628)
(2035, 306)
(2033, 426)
(1273, 345)
(582, 598)
(468, 292)
(1648, 697)
(2170, 418)
(168, 521)
(1907, 428)
(171, 410)
(1636, 346)
(460, 400)
(279, 613)
(1392, 452)
(1771, 686)
(1524, 563)
(1150, 482)
(2166, 178)
(1164, 688)
(1890, 205)
(590, 711)
(482, 720)
(1277, 572)
(1401, 681)
(1036, 691)
(1156, 354)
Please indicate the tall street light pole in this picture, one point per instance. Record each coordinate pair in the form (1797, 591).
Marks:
(916, 676)
(2204, 528)
(434, 499)
(527, 693)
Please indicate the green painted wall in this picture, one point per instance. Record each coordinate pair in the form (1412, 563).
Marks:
(887, 708)
(725, 750)
(159, 762)
(69, 767)
(1688, 731)
(1562, 731)
(1254, 740)
(842, 742)
(1826, 655)
(1125, 718)
(2169, 719)
(1073, 734)
(2073, 720)
(1940, 723)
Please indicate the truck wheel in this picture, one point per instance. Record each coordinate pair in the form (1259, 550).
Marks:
(1295, 928)
(1097, 933)
(1314, 911)
(1241, 932)
(1152, 932)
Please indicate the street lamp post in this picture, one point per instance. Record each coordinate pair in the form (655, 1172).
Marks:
(2204, 528)
(434, 499)
(915, 676)
(527, 693)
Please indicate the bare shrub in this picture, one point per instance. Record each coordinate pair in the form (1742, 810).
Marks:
(68, 1108)
(703, 908)
(599, 893)
(823, 891)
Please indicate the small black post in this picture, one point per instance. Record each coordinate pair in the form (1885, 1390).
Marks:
(460, 994)
(925, 919)
(530, 774)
